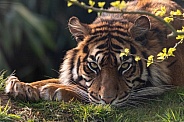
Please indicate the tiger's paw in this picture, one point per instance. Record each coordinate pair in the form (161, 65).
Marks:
(51, 92)
(58, 92)
(20, 90)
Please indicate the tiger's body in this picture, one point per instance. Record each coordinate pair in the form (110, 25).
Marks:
(94, 72)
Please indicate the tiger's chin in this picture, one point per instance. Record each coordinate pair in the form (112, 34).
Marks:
(135, 97)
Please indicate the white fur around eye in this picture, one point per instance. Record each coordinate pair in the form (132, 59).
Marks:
(93, 66)
(124, 67)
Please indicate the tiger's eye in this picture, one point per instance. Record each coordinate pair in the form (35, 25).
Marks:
(125, 65)
(93, 65)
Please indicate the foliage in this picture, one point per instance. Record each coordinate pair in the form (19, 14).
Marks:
(169, 107)
(5, 116)
(19, 25)
(33, 37)
(2, 80)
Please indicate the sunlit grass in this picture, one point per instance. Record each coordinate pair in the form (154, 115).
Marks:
(166, 108)
(5, 116)
(169, 108)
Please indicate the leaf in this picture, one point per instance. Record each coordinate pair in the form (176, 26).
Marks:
(137, 58)
(35, 23)
(150, 60)
(171, 51)
(126, 52)
(35, 43)
(101, 4)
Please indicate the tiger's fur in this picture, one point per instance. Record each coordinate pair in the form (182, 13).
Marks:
(94, 72)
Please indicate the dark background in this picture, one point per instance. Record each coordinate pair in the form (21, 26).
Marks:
(34, 36)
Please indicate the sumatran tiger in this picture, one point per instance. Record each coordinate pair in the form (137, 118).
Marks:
(94, 72)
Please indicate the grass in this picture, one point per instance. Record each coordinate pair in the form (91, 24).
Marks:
(7, 117)
(167, 108)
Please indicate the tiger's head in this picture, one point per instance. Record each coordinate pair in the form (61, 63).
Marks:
(96, 65)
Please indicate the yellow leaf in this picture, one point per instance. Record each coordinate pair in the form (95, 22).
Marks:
(180, 37)
(168, 19)
(171, 13)
(125, 53)
(69, 4)
(137, 58)
(161, 56)
(150, 60)
(177, 12)
(164, 50)
(163, 9)
(101, 4)
(115, 3)
(161, 12)
(126, 50)
(122, 5)
(122, 54)
(170, 51)
(91, 2)
(90, 10)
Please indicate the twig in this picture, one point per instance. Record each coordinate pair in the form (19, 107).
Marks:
(173, 34)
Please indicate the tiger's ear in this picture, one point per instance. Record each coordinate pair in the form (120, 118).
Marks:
(140, 27)
(78, 29)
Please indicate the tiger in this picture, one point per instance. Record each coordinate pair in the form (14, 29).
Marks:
(94, 72)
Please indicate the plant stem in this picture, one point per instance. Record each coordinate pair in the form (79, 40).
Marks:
(173, 34)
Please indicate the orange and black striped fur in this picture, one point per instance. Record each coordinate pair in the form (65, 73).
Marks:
(94, 72)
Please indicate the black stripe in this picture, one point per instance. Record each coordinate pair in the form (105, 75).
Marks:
(133, 49)
(119, 32)
(92, 57)
(85, 58)
(72, 61)
(78, 65)
(79, 78)
(98, 52)
(116, 46)
(112, 24)
(102, 46)
(115, 59)
(86, 69)
(140, 67)
(110, 31)
(172, 63)
(138, 79)
(99, 39)
(85, 49)
(133, 71)
(128, 81)
(119, 39)
(144, 54)
(148, 68)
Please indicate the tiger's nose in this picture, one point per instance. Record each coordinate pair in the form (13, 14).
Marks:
(108, 100)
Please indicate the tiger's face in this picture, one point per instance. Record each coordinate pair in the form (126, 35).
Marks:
(95, 63)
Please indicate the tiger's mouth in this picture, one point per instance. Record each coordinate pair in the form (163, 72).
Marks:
(108, 100)
(133, 98)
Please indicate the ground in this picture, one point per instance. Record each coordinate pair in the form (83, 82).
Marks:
(167, 107)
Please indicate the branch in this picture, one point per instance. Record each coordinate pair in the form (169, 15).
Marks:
(173, 34)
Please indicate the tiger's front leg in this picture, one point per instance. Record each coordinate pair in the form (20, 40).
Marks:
(46, 90)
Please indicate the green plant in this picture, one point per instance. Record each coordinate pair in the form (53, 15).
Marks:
(5, 116)
(20, 29)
